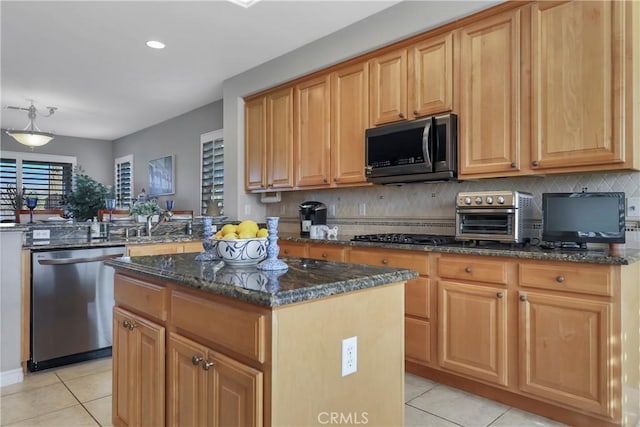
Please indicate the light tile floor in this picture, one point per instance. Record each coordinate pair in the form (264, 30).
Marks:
(80, 395)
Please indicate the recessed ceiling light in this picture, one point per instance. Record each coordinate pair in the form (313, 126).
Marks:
(155, 44)
(244, 3)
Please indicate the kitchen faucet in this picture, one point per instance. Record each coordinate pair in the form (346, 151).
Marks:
(164, 216)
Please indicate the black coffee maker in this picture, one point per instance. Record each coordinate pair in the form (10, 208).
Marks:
(311, 213)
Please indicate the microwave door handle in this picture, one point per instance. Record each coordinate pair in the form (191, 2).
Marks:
(426, 145)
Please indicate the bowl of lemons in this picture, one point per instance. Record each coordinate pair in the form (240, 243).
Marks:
(242, 244)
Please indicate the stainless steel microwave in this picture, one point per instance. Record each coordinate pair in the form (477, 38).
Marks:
(413, 151)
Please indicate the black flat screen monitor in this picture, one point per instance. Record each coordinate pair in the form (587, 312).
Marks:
(583, 217)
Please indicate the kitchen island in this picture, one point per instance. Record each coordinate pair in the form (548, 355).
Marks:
(201, 343)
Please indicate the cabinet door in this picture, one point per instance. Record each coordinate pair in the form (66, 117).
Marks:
(388, 87)
(489, 117)
(431, 76)
(279, 155)
(577, 83)
(312, 137)
(417, 339)
(349, 120)
(255, 143)
(138, 370)
(565, 343)
(472, 330)
(327, 252)
(186, 393)
(235, 393)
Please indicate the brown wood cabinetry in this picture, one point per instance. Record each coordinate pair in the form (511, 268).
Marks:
(269, 141)
(327, 252)
(293, 249)
(164, 248)
(388, 95)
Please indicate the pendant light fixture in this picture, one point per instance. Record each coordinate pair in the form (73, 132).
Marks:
(31, 136)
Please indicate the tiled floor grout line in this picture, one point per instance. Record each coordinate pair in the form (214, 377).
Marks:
(76, 397)
(435, 415)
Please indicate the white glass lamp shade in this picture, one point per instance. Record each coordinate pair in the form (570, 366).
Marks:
(31, 138)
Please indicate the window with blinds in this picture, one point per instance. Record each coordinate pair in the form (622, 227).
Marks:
(124, 181)
(49, 181)
(212, 179)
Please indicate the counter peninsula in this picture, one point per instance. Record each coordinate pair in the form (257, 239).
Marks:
(201, 343)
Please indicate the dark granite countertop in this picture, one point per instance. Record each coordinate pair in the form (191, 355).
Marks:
(304, 280)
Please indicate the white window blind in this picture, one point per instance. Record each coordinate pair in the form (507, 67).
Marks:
(124, 181)
(212, 167)
(8, 186)
(49, 181)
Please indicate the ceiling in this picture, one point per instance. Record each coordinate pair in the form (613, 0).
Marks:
(89, 59)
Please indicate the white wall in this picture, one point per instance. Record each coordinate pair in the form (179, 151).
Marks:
(393, 24)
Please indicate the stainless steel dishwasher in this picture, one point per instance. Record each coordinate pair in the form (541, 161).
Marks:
(71, 305)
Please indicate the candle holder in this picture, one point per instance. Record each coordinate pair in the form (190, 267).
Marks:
(208, 242)
(272, 262)
(110, 204)
(169, 205)
(32, 202)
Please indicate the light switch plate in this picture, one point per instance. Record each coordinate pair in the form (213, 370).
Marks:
(41, 234)
(633, 207)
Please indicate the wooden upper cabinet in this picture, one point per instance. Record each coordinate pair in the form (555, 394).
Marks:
(279, 145)
(489, 90)
(312, 133)
(388, 87)
(578, 83)
(255, 135)
(430, 67)
(349, 120)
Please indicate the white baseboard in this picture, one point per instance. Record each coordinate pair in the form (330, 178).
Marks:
(13, 376)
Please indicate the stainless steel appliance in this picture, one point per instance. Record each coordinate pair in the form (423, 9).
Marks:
(413, 151)
(502, 216)
(71, 305)
(311, 213)
(408, 239)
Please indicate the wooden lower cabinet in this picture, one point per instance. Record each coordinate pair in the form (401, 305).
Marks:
(138, 370)
(292, 249)
(565, 347)
(472, 331)
(164, 248)
(327, 252)
(207, 388)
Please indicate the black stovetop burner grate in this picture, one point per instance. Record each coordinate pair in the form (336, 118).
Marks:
(402, 238)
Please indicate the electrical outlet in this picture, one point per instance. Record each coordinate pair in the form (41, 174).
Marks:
(362, 209)
(41, 234)
(332, 211)
(247, 209)
(283, 209)
(349, 356)
(633, 207)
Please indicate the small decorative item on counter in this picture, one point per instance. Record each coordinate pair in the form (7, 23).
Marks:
(208, 241)
(32, 202)
(272, 262)
(142, 210)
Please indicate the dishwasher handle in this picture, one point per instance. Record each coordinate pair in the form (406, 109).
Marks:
(65, 261)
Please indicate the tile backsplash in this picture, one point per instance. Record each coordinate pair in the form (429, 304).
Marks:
(431, 206)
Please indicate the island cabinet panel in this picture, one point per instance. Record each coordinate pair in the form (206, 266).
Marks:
(142, 297)
(138, 371)
(312, 132)
(489, 119)
(578, 51)
(566, 345)
(472, 330)
(208, 388)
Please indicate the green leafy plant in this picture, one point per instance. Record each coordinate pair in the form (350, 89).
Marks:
(146, 208)
(87, 197)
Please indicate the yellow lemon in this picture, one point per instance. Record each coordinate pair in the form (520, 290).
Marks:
(249, 227)
(228, 228)
(262, 233)
(231, 236)
(246, 235)
(219, 235)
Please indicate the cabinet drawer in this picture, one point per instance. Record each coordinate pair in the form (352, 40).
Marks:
(328, 252)
(474, 269)
(416, 297)
(154, 249)
(417, 339)
(570, 277)
(141, 297)
(293, 249)
(400, 259)
(192, 247)
(238, 330)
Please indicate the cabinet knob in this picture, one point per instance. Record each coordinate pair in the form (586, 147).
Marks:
(535, 163)
(133, 325)
(126, 324)
(523, 297)
(513, 165)
(335, 179)
(324, 180)
(467, 269)
(416, 113)
(385, 261)
(401, 115)
(206, 365)
(324, 255)
(500, 295)
(560, 279)
(196, 360)
(286, 251)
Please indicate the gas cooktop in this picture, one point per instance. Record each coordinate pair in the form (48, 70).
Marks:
(409, 239)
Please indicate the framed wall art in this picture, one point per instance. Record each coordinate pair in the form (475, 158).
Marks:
(162, 176)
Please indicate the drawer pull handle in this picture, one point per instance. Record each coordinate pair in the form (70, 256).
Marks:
(401, 115)
(126, 324)
(196, 360)
(385, 261)
(416, 113)
(467, 270)
(206, 365)
(286, 251)
(324, 255)
(514, 165)
(535, 163)
(560, 279)
(523, 297)
(499, 294)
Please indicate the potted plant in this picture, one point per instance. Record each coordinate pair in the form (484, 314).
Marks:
(87, 197)
(141, 210)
